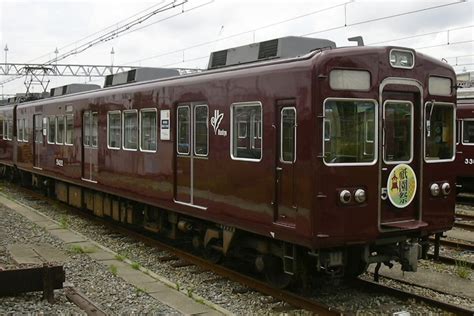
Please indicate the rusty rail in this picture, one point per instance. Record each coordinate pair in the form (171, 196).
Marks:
(455, 309)
(83, 302)
(46, 278)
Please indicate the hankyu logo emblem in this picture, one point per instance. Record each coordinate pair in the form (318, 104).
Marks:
(216, 120)
(401, 185)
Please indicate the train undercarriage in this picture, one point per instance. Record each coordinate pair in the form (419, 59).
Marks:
(283, 264)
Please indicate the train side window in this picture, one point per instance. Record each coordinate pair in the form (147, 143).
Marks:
(201, 130)
(130, 130)
(69, 129)
(86, 127)
(458, 131)
(51, 129)
(19, 130)
(10, 130)
(468, 132)
(183, 136)
(440, 140)
(350, 132)
(2, 130)
(114, 130)
(59, 130)
(246, 145)
(25, 130)
(148, 130)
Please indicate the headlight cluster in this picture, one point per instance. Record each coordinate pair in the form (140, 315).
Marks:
(402, 58)
(436, 189)
(346, 196)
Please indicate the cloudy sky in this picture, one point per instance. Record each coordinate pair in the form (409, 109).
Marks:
(185, 35)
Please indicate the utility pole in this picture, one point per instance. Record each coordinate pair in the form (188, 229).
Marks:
(6, 55)
(112, 53)
(56, 52)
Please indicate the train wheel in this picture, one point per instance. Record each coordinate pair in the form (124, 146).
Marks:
(211, 254)
(274, 273)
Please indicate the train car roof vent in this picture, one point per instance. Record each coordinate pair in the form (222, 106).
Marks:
(73, 88)
(140, 74)
(285, 47)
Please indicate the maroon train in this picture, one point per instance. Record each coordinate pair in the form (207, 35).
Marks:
(323, 162)
(465, 140)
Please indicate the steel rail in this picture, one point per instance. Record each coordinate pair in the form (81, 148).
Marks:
(465, 226)
(457, 310)
(83, 302)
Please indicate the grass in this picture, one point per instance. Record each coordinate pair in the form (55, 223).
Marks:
(135, 265)
(190, 293)
(139, 291)
(78, 249)
(63, 222)
(113, 269)
(463, 269)
(120, 257)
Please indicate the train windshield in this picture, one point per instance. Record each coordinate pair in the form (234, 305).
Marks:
(398, 131)
(439, 133)
(349, 132)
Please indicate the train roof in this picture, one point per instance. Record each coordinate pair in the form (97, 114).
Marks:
(129, 87)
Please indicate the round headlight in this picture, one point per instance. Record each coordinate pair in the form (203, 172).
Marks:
(446, 188)
(345, 196)
(434, 189)
(359, 195)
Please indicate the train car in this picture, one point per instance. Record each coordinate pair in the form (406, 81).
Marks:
(465, 140)
(315, 161)
(7, 118)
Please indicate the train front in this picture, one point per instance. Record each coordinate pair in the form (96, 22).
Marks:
(385, 172)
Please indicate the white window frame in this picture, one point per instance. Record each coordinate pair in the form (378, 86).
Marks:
(424, 133)
(65, 130)
(376, 124)
(412, 135)
(123, 130)
(108, 129)
(4, 129)
(147, 110)
(57, 129)
(281, 134)
(194, 130)
(49, 129)
(10, 129)
(188, 106)
(244, 104)
(462, 132)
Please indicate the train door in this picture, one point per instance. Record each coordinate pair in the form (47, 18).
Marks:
(401, 158)
(89, 146)
(285, 190)
(192, 150)
(38, 140)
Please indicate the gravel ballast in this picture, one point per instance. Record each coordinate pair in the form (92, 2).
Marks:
(227, 294)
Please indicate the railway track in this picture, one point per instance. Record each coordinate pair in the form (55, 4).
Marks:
(293, 299)
(466, 226)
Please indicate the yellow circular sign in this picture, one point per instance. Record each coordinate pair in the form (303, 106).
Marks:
(401, 185)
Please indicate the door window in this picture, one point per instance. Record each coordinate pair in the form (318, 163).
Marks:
(183, 130)
(468, 132)
(201, 130)
(288, 135)
(38, 129)
(90, 128)
(398, 131)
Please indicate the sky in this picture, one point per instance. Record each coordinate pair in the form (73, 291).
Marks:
(184, 36)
